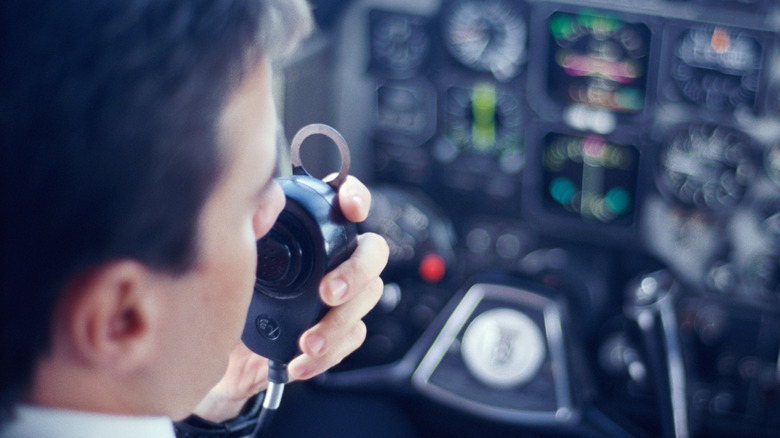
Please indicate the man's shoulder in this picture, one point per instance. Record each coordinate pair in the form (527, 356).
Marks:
(35, 421)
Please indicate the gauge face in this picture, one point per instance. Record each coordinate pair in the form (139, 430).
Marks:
(768, 210)
(763, 275)
(485, 120)
(399, 42)
(718, 67)
(706, 167)
(411, 225)
(503, 348)
(772, 163)
(599, 60)
(590, 177)
(488, 36)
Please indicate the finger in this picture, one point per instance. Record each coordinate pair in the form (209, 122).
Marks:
(337, 323)
(246, 374)
(354, 199)
(253, 377)
(365, 264)
(305, 366)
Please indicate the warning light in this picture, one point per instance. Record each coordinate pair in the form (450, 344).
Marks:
(721, 41)
(432, 268)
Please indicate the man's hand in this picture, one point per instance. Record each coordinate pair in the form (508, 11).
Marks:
(351, 290)
(246, 375)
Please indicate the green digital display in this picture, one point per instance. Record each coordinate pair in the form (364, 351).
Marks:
(484, 120)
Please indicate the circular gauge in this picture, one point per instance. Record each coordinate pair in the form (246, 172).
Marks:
(598, 59)
(772, 163)
(706, 167)
(398, 41)
(762, 275)
(486, 36)
(768, 211)
(589, 177)
(718, 67)
(412, 226)
(503, 348)
(485, 120)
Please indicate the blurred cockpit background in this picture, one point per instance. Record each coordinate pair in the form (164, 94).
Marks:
(582, 200)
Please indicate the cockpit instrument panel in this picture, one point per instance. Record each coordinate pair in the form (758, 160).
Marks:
(624, 154)
(597, 59)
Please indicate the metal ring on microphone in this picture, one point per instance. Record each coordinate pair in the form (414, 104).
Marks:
(319, 128)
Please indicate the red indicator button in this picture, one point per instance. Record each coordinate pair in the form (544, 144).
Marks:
(432, 268)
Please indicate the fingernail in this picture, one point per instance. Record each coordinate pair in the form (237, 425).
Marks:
(315, 343)
(338, 289)
(357, 200)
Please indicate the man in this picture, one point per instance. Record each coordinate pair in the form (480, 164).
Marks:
(138, 156)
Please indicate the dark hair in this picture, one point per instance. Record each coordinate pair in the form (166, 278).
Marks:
(108, 119)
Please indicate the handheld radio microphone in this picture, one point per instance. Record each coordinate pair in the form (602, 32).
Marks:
(310, 238)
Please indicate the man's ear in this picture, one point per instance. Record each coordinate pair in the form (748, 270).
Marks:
(109, 314)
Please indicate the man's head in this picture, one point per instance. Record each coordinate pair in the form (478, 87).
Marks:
(127, 140)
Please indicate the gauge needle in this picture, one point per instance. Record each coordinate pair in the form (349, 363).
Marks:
(685, 165)
(483, 49)
(477, 39)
